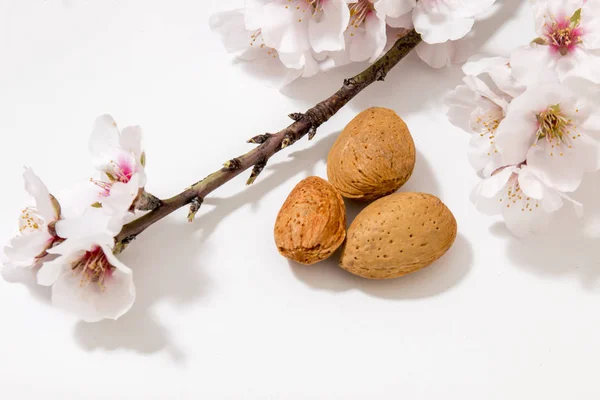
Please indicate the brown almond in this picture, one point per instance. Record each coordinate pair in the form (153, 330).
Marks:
(311, 224)
(373, 156)
(397, 235)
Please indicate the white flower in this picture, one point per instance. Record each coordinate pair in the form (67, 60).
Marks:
(441, 20)
(441, 24)
(366, 35)
(118, 155)
(299, 26)
(554, 128)
(478, 108)
(36, 225)
(86, 277)
(249, 45)
(88, 280)
(523, 200)
(568, 43)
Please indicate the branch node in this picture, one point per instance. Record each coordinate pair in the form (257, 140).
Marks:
(380, 74)
(296, 116)
(232, 164)
(287, 141)
(258, 168)
(194, 208)
(312, 132)
(259, 139)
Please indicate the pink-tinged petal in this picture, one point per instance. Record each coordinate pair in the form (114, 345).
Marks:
(43, 201)
(24, 250)
(92, 302)
(104, 141)
(121, 197)
(326, 31)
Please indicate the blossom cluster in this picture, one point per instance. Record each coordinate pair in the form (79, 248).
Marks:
(533, 117)
(307, 36)
(75, 255)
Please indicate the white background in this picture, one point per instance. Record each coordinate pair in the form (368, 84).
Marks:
(219, 314)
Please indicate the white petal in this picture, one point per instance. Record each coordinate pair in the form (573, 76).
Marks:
(327, 33)
(394, 8)
(533, 64)
(121, 197)
(51, 270)
(23, 250)
(91, 302)
(43, 201)
(368, 40)
(93, 223)
(230, 26)
(439, 27)
(285, 27)
(104, 141)
(435, 55)
(131, 141)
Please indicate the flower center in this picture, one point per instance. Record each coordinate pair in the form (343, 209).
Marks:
(359, 12)
(563, 35)
(556, 129)
(30, 221)
(489, 124)
(257, 41)
(515, 197)
(120, 171)
(93, 268)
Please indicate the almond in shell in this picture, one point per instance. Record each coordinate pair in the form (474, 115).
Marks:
(311, 224)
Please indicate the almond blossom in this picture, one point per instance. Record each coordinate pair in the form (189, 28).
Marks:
(568, 42)
(118, 155)
(554, 127)
(298, 26)
(441, 24)
(478, 108)
(249, 45)
(366, 35)
(36, 225)
(86, 277)
(525, 202)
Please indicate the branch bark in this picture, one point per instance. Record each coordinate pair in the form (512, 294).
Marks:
(270, 144)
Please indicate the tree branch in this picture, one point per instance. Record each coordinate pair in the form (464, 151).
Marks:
(269, 144)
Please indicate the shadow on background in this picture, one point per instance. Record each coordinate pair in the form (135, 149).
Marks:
(163, 261)
(569, 248)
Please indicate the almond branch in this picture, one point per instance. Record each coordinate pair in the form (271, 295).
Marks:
(269, 144)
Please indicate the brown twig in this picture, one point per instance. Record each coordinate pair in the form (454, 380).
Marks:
(269, 144)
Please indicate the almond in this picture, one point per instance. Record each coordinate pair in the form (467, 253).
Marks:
(373, 156)
(311, 224)
(397, 235)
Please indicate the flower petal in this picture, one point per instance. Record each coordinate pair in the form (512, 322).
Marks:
(23, 250)
(43, 200)
(92, 302)
(104, 141)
